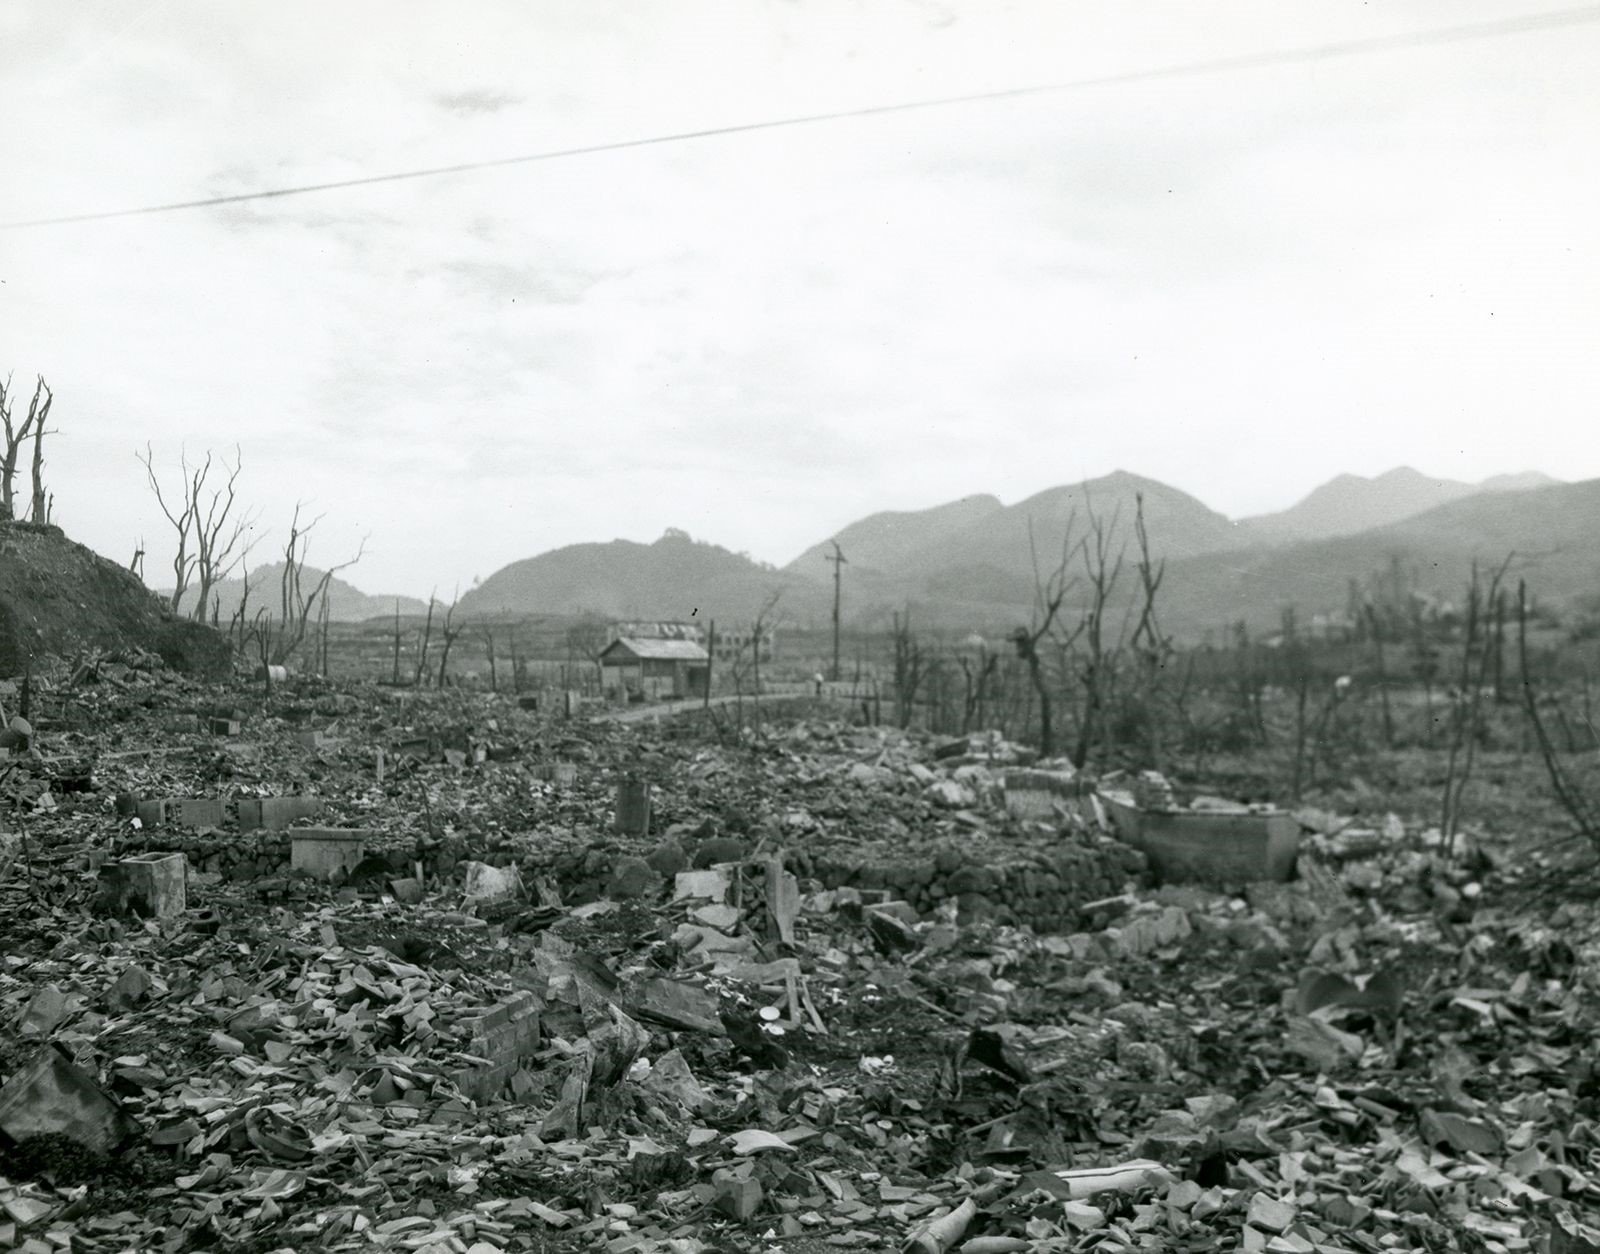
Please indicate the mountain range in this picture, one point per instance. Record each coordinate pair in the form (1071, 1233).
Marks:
(1351, 504)
(976, 562)
(346, 603)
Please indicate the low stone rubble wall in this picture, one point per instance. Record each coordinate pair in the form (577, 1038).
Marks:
(1042, 882)
(1043, 888)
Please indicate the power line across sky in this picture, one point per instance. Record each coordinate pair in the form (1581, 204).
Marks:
(1433, 37)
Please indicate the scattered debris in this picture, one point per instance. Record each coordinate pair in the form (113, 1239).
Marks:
(858, 989)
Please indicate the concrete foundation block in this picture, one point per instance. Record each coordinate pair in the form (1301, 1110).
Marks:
(276, 814)
(325, 852)
(1199, 847)
(1039, 795)
(152, 885)
(194, 812)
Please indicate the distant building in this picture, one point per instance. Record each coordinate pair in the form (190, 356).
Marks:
(1335, 625)
(656, 669)
(736, 643)
(658, 630)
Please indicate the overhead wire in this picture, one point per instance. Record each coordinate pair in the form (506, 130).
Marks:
(1522, 24)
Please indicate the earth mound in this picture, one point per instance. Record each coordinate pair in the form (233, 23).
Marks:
(59, 598)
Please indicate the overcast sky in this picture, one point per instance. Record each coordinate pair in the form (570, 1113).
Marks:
(1240, 283)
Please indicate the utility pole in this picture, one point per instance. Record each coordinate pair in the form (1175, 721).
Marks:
(839, 562)
(711, 663)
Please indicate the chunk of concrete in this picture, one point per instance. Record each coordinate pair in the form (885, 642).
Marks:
(709, 885)
(326, 852)
(275, 814)
(491, 883)
(407, 892)
(951, 795)
(194, 812)
(46, 1010)
(678, 1005)
(53, 1095)
(149, 885)
(131, 988)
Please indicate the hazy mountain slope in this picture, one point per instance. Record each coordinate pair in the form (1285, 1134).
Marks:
(972, 567)
(1553, 530)
(886, 541)
(346, 604)
(1350, 504)
(1518, 482)
(993, 558)
(674, 578)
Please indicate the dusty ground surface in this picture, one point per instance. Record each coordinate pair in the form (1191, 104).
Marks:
(1396, 1052)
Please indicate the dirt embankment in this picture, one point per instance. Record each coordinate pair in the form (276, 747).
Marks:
(59, 598)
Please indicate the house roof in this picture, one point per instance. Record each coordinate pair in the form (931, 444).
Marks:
(655, 650)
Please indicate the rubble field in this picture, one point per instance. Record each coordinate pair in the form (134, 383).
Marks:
(349, 968)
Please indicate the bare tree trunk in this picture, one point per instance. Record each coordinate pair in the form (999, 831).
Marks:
(183, 523)
(1499, 646)
(1572, 800)
(40, 511)
(240, 615)
(422, 652)
(1468, 729)
(325, 623)
(15, 437)
(1383, 675)
(1152, 647)
(1301, 695)
(487, 636)
(449, 632)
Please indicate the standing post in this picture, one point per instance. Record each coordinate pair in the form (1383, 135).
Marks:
(711, 663)
(838, 559)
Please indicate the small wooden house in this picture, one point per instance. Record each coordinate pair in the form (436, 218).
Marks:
(656, 670)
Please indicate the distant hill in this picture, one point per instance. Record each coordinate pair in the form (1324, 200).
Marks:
(1551, 529)
(346, 604)
(886, 542)
(674, 578)
(993, 558)
(968, 563)
(1351, 503)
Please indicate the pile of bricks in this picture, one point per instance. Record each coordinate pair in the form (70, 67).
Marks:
(506, 1035)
